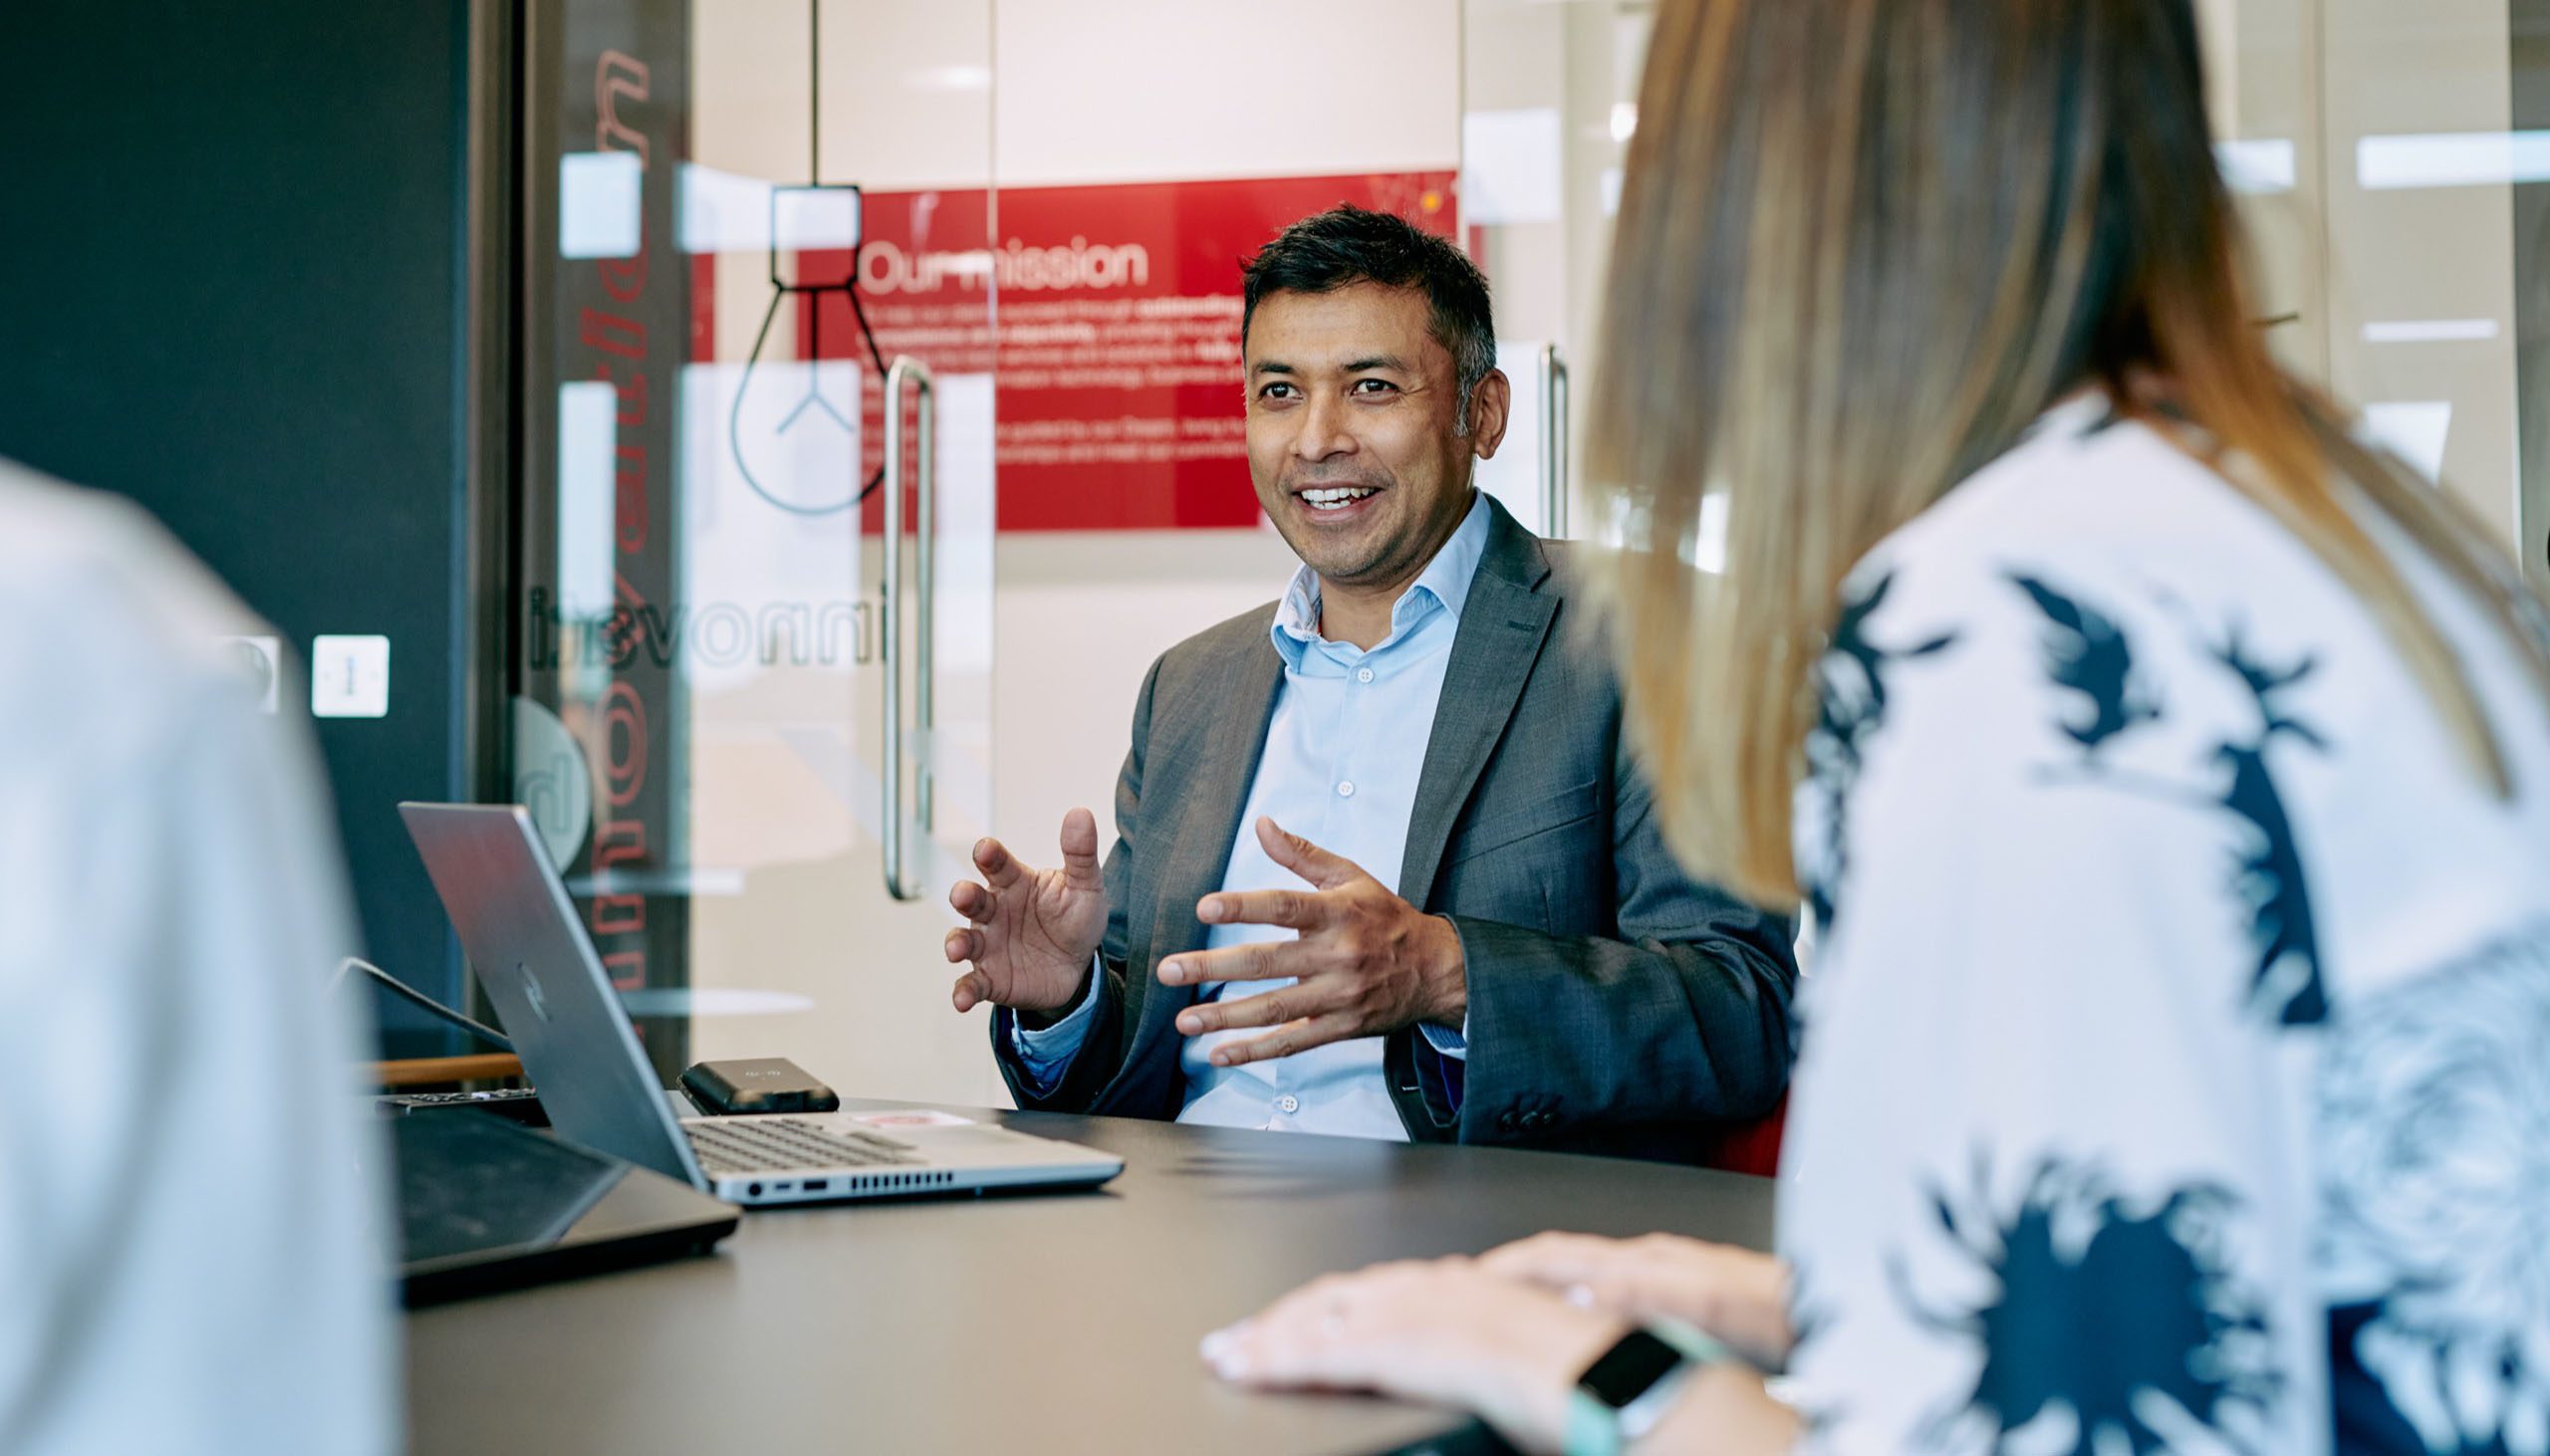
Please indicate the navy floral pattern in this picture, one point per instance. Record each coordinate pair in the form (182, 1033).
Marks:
(1851, 695)
(2180, 1343)
(2088, 655)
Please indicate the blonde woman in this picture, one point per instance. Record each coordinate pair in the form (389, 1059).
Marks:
(2170, 771)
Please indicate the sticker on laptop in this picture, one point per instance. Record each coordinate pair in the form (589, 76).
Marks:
(912, 1117)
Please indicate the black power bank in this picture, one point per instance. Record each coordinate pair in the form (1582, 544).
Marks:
(751, 1085)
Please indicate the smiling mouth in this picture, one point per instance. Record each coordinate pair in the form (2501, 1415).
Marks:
(1334, 497)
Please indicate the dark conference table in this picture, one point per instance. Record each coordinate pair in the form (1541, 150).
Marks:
(1062, 1322)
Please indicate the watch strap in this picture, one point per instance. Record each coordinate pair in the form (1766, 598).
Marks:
(1625, 1391)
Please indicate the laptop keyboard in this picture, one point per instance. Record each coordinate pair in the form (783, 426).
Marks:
(772, 1144)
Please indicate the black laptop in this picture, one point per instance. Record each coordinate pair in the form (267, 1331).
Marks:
(486, 1204)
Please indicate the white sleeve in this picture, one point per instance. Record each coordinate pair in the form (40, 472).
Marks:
(192, 1236)
(2048, 1164)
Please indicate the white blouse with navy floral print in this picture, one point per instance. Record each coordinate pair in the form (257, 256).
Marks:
(2176, 1066)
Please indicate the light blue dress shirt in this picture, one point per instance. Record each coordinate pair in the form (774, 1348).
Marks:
(1343, 755)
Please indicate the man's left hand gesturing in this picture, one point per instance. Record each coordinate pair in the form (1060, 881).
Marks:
(1368, 962)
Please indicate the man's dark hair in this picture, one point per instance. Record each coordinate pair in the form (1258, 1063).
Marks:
(1347, 245)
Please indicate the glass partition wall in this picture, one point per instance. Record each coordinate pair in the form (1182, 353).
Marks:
(2373, 147)
(755, 624)
(2391, 163)
(763, 743)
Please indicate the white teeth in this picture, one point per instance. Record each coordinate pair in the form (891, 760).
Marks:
(1330, 499)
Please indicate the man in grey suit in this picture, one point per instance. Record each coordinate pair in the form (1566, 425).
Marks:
(1416, 708)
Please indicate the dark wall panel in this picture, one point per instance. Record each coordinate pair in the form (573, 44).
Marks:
(232, 244)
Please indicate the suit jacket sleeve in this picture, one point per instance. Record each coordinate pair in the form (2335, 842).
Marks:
(1092, 1083)
(1684, 1018)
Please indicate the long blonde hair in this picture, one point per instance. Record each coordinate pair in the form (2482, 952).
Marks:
(1863, 244)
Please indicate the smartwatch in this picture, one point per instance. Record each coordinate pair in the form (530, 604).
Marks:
(1628, 1387)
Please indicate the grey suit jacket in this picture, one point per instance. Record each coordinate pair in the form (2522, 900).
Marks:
(1614, 1005)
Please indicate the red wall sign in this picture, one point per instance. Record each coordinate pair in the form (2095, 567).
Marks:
(1118, 391)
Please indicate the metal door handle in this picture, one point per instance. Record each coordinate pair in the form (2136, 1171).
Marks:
(1553, 441)
(890, 617)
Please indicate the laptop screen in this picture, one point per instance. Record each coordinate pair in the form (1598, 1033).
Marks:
(538, 967)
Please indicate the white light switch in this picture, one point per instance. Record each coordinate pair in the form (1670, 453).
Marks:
(349, 677)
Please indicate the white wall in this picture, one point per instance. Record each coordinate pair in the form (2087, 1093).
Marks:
(1145, 91)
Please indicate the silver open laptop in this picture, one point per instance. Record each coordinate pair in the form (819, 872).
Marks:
(556, 1002)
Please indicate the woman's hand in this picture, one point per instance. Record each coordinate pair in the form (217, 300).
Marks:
(1446, 1331)
(1734, 1295)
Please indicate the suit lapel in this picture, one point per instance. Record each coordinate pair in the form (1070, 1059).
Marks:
(1502, 628)
(1202, 824)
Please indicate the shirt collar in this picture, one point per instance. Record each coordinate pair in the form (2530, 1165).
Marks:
(1445, 583)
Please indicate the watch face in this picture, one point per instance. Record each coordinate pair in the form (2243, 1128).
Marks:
(1627, 1369)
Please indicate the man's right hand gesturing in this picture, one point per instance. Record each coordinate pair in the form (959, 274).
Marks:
(1035, 930)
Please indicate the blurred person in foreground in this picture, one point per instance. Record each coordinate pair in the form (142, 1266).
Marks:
(2170, 771)
(190, 1206)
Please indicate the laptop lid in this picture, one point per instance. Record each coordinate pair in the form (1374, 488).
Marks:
(485, 1205)
(548, 986)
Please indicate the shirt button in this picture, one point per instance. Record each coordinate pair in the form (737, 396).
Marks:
(1363, 674)
(1288, 1104)
(1345, 790)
